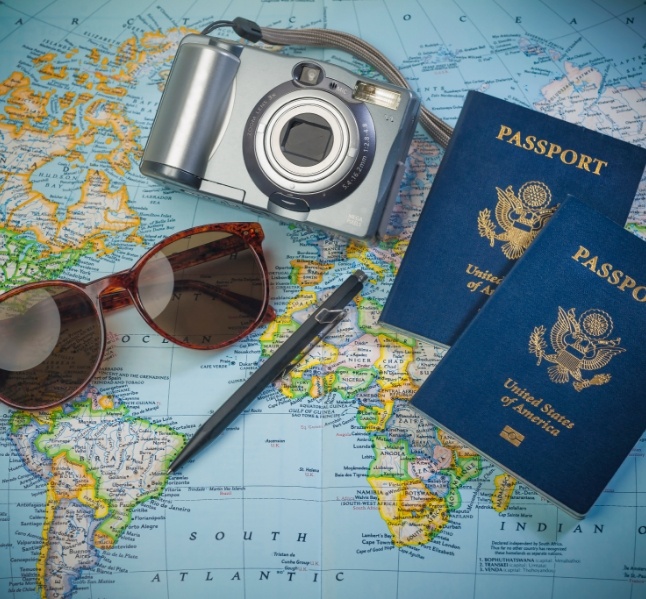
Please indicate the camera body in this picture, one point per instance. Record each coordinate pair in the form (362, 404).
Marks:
(296, 138)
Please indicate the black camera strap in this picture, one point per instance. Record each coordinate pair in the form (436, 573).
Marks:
(326, 38)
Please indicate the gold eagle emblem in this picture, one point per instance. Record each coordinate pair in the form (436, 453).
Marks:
(521, 217)
(579, 345)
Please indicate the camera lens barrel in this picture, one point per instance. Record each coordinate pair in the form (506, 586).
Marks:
(194, 105)
(309, 145)
(343, 143)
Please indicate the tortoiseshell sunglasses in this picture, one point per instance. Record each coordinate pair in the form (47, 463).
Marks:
(202, 288)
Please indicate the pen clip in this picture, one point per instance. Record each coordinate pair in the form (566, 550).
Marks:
(330, 318)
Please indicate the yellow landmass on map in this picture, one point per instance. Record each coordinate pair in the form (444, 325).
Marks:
(37, 138)
(104, 86)
(24, 105)
(70, 481)
(307, 273)
(47, 69)
(413, 514)
(362, 253)
(392, 365)
(105, 402)
(111, 115)
(374, 418)
(43, 138)
(504, 486)
(321, 385)
(94, 55)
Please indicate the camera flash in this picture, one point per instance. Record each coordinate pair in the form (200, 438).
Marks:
(368, 92)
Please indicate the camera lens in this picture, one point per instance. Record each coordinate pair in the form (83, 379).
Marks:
(308, 142)
(306, 139)
(307, 145)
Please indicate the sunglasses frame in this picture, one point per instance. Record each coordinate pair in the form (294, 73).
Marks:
(119, 290)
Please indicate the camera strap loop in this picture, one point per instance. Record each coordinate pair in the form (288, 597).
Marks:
(325, 38)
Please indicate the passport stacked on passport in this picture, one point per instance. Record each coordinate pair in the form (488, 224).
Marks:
(545, 377)
(504, 173)
(548, 379)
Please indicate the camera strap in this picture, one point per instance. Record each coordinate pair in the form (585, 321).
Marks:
(327, 38)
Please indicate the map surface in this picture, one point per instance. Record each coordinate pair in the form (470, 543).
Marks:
(329, 485)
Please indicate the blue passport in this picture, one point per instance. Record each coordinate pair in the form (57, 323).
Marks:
(504, 172)
(548, 380)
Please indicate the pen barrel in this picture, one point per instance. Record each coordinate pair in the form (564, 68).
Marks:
(343, 295)
(323, 318)
(282, 358)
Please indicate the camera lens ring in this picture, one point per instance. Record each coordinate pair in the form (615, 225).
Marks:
(333, 168)
(360, 165)
(340, 133)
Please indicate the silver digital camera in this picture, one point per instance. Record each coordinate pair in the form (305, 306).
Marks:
(292, 137)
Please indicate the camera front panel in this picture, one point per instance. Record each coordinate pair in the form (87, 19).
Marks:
(315, 132)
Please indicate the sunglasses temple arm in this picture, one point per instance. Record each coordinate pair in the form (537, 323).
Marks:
(212, 251)
(181, 260)
(270, 314)
(209, 251)
(248, 305)
(191, 257)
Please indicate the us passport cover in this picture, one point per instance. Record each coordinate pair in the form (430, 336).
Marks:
(549, 379)
(504, 173)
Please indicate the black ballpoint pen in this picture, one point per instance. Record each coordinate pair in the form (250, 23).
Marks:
(324, 318)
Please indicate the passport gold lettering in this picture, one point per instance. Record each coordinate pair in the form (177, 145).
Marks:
(546, 425)
(507, 401)
(484, 275)
(515, 388)
(472, 269)
(551, 413)
(610, 274)
(543, 147)
(545, 409)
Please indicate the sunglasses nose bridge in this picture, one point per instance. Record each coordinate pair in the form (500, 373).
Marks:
(113, 291)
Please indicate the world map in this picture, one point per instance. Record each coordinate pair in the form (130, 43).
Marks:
(330, 484)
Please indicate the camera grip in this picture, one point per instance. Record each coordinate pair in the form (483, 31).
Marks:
(191, 114)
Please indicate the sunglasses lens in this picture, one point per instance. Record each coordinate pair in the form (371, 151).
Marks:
(51, 342)
(204, 290)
